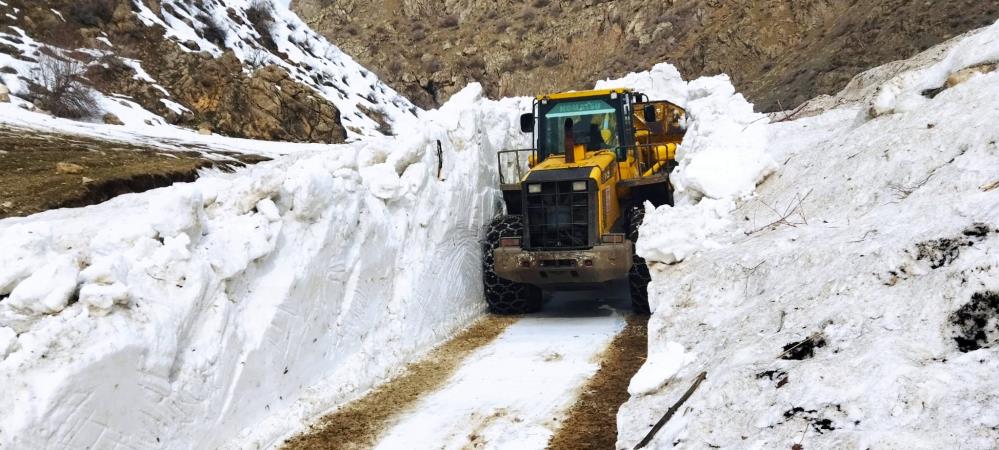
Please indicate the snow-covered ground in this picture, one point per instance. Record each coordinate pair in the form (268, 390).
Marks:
(841, 304)
(229, 311)
(308, 57)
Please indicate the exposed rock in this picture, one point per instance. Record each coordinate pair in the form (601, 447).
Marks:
(4, 94)
(112, 119)
(65, 168)
(283, 109)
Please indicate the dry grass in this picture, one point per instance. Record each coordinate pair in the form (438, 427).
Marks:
(30, 183)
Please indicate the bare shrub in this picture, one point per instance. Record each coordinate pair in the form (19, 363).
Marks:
(552, 60)
(261, 16)
(61, 91)
(449, 21)
(475, 64)
(213, 30)
(92, 13)
(257, 58)
(540, 3)
(432, 65)
(514, 64)
(109, 69)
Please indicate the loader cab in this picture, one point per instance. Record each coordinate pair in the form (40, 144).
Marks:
(600, 120)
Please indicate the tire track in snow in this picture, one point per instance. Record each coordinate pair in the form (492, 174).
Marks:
(514, 392)
(592, 422)
(358, 424)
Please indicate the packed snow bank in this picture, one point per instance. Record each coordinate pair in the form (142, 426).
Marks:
(858, 306)
(724, 155)
(180, 317)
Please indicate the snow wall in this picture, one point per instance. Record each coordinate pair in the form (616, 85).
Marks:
(852, 300)
(182, 316)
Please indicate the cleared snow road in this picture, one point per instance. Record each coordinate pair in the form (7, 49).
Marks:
(503, 383)
(513, 393)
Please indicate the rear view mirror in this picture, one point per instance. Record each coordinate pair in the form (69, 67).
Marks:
(527, 123)
(650, 113)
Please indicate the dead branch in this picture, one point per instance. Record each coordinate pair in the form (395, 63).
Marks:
(812, 339)
(669, 414)
(793, 208)
(790, 115)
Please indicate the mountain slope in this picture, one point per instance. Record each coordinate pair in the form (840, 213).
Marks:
(240, 68)
(779, 54)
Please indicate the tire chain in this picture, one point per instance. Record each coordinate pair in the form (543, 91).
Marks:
(638, 277)
(504, 296)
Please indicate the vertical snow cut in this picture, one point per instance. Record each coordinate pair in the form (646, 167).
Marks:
(228, 311)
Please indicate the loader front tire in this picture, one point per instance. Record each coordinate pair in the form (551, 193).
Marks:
(638, 277)
(506, 297)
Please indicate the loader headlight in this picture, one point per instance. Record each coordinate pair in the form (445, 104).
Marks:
(579, 186)
(615, 238)
(509, 242)
(534, 188)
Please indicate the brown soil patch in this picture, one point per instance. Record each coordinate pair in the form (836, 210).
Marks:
(592, 421)
(30, 182)
(358, 424)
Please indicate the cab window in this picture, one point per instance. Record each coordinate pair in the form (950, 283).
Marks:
(594, 124)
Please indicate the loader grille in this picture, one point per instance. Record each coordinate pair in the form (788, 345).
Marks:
(558, 217)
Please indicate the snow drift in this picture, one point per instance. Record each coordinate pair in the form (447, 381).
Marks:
(852, 302)
(182, 316)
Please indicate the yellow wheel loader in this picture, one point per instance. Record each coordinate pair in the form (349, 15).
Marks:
(574, 201)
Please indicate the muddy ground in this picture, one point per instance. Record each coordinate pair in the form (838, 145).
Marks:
(92, 171)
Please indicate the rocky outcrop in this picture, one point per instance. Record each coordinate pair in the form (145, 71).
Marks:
(778, 53)
(187, 88)
(283, 108)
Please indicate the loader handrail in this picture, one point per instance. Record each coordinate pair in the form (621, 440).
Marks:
(644, 157)
(519, 164)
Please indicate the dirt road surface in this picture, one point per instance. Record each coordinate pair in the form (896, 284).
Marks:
(551, 380)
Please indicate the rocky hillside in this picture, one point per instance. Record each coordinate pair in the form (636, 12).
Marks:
(239, 68)
(778, 53)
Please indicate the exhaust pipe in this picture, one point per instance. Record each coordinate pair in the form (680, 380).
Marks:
(570, 143)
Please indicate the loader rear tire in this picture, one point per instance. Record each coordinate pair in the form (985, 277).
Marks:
(638, 277)
(506, 297)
